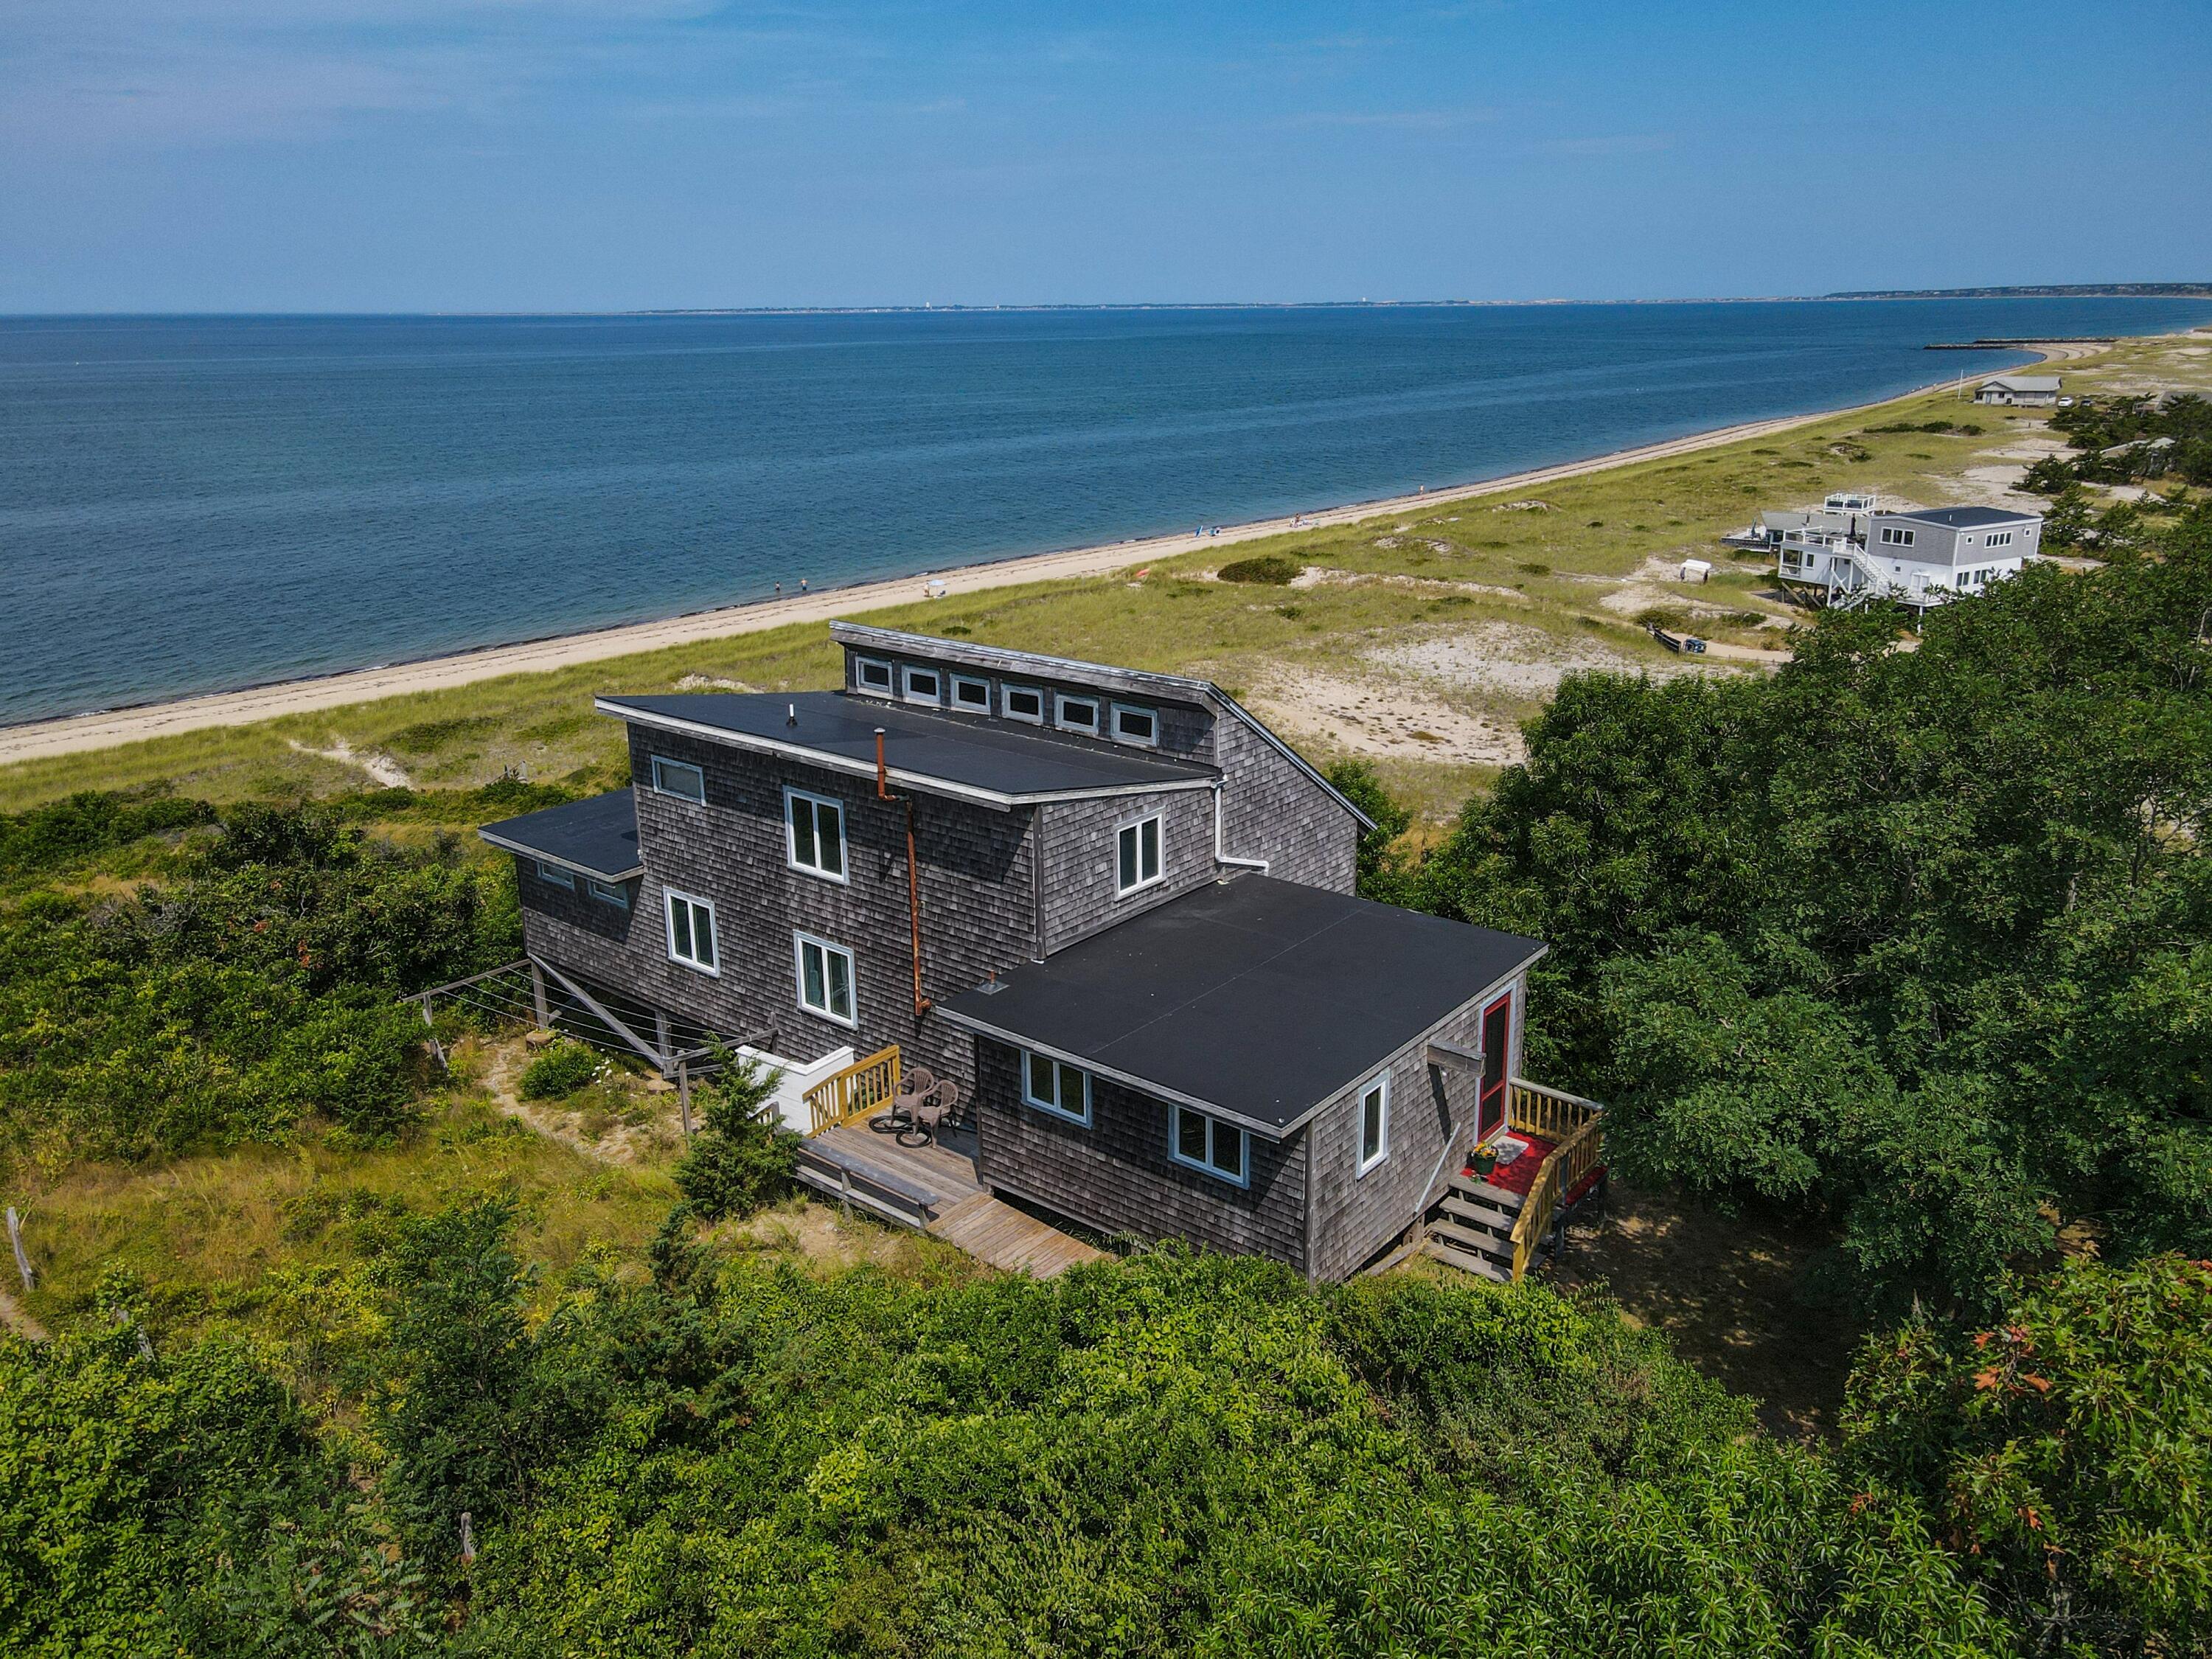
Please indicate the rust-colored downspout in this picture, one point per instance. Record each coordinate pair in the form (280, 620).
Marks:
(921, 1003)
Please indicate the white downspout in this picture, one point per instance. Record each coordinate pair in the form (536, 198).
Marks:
(1221, 857)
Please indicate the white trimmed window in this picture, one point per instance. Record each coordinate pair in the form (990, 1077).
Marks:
(679, 778)
(1134, 724)
(1022, 702)
(922, 684)
(1374, 1123)
(611, 892)
(1892, 537)
(1997, 539)
(1076, 714)
(1053, 1085)
(1137, 855)
(871, 674)
(555, 876)
(814, 833)
(971, 694)
(1208, 1144)
(691, 933)
(825, 979)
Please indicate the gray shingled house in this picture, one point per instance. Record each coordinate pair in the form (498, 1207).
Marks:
(1111, 906)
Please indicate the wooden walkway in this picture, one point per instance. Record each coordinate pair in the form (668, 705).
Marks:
(1001, 1236)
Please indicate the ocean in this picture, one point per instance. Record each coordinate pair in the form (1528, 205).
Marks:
(192, 504)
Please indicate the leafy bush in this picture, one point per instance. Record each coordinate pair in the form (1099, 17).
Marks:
(2067, 1449)
(1378, 878)
(559, 1072)
(63, 832)
(738, 1160)
(1270, 570)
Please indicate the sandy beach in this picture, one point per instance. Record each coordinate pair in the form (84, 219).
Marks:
(104, 730)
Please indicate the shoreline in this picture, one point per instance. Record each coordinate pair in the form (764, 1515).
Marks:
(109, 728)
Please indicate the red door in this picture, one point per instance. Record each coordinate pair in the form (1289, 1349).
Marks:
(1497, 1055)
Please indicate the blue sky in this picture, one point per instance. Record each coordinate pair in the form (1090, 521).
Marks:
(578, 155)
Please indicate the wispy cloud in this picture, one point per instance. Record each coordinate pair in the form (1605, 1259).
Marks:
(1399, 121)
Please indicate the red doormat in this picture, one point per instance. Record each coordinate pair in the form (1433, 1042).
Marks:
(1520, 1175)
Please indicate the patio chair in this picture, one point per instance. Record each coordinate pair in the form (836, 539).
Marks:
(914, 1087)
(933, 1115)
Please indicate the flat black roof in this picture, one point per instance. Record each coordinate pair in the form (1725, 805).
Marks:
(597, 837)
(997, 760)
(1257, 998)
(1965, 518)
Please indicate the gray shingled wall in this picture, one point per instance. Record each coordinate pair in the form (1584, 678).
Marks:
(1115, 1174)
(1186, 729)
(1272, 810)
(1080, 852)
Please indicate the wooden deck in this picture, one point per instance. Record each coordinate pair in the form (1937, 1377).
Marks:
(936, 1188)
(996, 1232)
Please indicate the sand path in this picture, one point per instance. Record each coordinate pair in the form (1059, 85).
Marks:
(105, 730)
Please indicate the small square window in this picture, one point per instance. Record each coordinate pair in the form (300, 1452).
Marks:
(871, 674)
(1133, 724)
(554, 875)
(611, 892)
(691, 933)
(1054, 1086)
(971, 694)
(1076, 714)
(825, 979)
(814, 833)
(1022, 702)
(924, 685)
(1137, 855)
(679, 778)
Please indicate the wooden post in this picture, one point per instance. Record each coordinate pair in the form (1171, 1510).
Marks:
(23, 1261)
(537, 995)
(660, 1034)
(468, 1541)
(436, 1047)
(684, 1093)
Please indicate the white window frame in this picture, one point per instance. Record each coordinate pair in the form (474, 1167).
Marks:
(860, 667)
(554, 875)
(1159, 854)
(1008, 692)
(1115, 711)
(671, 897)
(677, 767)
(1060, 703)
(609, 892)
(814, 804)
(1893, 536)
(975, 681)
(907, 694)
(1214, 1127)
(1373, 1086)
(1031, 1057)
(1997, 539)
(829, 948)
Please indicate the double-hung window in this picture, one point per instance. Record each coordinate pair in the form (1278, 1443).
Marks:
(1076, 714)
(1134, 724)
(1208, 1144)
(814, 833)
(1053, 1085)
(691, 933)
(1374, 1123)
(972, 694)
(679, 778)
(825, 979)
(871, 674)
(1022, 702)
(554, 875)
(1137, 855)
(923, 686)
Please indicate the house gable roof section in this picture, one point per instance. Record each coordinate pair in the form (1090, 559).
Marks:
(1134, 682)
(594, 838)
(2022, 382)
(967, 756)
(1252, 998)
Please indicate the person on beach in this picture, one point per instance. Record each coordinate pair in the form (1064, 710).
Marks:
(802, 584)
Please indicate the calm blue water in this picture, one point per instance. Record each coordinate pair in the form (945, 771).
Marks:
(192, 504)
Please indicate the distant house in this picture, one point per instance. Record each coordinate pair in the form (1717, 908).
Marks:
(1921, 557)
(2020, 390)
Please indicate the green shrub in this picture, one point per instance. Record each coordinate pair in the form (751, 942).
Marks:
(559, 1072)
(1269, 569)
(739, 1159)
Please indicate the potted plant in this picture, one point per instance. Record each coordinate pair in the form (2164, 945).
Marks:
(1484, 1161)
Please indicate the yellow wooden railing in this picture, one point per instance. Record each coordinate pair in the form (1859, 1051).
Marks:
(1578, 1126)
(858, 1089)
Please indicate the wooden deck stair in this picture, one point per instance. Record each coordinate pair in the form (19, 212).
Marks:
(1499, 1234)
(1472, 1227)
